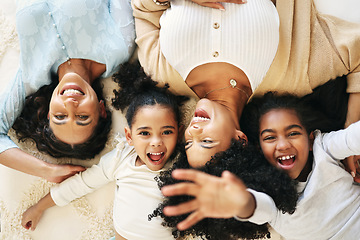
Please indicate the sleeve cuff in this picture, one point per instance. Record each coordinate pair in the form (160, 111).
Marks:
(6, 143)
(353, 82)
(265, 209)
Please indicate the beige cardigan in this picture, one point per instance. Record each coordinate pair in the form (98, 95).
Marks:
(313, 49)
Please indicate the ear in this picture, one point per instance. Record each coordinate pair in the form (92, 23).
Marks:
(102, 109)
(181, 132)
(311, 140)
(239, 135)
(128, 136)
(48, 116)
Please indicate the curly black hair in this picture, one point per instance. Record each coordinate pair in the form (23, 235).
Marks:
(138, 90)
(33, 124)
(246, 162)
(324, 109)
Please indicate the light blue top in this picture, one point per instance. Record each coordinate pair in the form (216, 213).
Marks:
(52, 31)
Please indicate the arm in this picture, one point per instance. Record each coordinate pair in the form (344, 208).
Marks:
(88, 181)
(147, 26)
(17, 159)
(72, 188)
(343, 143)
(353, 115)
(32, 216)
(215, 197)
(11, 105)
(121, 12)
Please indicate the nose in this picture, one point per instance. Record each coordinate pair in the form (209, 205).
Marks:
(283, 144)
(156, 141)
(194, 129)
(71, 102)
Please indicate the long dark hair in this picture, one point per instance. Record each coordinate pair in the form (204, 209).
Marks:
(138, 90)
(247, 163)
(33, 124)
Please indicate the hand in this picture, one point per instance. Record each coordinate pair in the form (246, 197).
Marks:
(31, 217)
(215, 197)
(217, 3)
(59, 173)
(352, 165)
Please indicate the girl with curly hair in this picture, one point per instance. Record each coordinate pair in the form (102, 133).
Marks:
(284, 128)
(149, 145)
(53, 98)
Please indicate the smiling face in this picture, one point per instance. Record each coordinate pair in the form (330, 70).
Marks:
(210, 131)
(154, 134)
(284, 141)
(74, 110)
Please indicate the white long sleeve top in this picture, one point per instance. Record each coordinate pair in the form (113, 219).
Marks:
(136, 193)
(329, 203)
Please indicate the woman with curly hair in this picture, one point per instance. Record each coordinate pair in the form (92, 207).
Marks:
(55, 98)
(324, 109)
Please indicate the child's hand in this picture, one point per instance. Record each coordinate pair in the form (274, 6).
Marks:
(217, 3)
(31, 217)
(215, 197)
(352, 165)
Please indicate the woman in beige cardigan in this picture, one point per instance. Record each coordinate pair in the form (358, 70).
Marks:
(313, 48)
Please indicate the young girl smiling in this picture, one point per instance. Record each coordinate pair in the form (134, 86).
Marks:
(150, 141)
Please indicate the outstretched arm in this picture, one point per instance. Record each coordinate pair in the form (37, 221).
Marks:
(215, 197)
(32, 216)
(21, 161)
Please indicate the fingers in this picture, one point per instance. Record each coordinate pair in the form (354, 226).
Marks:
(180, 209)
(233, 1)
(191, 220)
(77, 169)
(192, 175)
(28, 224)
(357, 168)
(215, 5)
(230, 177)
(350, 162)
(184, 188)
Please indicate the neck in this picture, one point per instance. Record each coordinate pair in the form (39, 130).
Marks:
(87, 69)
(213, 81)
(233, 100)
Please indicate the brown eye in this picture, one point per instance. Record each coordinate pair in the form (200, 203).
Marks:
(60, 117)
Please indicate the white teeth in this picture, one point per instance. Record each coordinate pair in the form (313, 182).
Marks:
(156, 153)
(285, 157)
(201, 119)
(72, 91)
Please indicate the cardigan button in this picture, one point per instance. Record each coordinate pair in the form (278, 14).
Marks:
(216, 25)
(215, 54)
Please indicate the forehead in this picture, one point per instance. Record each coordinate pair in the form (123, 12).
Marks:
(153, 113)
(279, 117)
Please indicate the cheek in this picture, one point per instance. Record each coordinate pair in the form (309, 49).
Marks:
(267, 151)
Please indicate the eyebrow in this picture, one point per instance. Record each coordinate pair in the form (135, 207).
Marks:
(146, 128)
(287, 128)
(83, 124)
(203, 146)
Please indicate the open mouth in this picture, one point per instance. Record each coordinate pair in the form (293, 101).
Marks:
(156, 158)
(201, 115)
(71, 90)
(287, 161)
